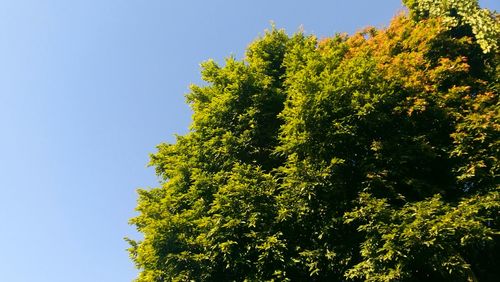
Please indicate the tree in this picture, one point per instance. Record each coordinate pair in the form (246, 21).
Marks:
(371, 157)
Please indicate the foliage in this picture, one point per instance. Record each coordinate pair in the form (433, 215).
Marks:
(371, 157)
(455, 12)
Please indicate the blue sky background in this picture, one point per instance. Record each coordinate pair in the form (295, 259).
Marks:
(88, 88)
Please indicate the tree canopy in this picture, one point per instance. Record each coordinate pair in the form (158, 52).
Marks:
(369, 157)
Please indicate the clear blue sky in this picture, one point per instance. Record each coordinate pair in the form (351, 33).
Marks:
(88, 88)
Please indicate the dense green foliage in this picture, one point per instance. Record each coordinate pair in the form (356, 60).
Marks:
(371, 157)
(485, 27)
